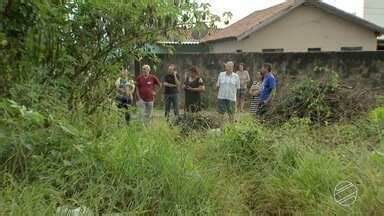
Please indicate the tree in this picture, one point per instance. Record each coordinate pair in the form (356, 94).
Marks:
(79, 45)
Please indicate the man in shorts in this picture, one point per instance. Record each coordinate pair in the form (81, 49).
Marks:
(228, 83)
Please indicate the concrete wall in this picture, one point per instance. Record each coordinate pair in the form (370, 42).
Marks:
(303, 28)
(361, 70)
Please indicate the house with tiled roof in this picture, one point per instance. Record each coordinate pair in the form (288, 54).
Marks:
(296, 26)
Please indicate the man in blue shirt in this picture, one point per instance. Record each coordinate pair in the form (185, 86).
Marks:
(268, 88)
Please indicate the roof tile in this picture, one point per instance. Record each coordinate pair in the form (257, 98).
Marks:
(249, 22)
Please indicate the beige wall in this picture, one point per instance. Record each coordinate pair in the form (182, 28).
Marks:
(374, 11)
(303, 28)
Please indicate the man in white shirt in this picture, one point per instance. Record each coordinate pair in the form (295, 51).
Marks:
(228, 83)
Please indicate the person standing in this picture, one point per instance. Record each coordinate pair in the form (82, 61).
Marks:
(146, 84)
(228, 83)
(244, 80)
(268, 89)
(124, 89)
(254, 91)
(193, 87)
(171, 83)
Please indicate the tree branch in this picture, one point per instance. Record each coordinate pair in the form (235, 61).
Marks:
(7, 8)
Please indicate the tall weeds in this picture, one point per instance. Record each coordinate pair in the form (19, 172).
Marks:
(97, 162)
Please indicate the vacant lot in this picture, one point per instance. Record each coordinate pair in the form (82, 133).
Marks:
(98, 163)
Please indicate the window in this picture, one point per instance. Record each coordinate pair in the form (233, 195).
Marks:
(273, 50)
(314, 49)
(239, 51)
(350, 49)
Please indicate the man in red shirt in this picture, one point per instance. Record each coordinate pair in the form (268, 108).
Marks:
(146, 84)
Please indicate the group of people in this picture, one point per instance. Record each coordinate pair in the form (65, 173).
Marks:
(232, 91)
(233, 88)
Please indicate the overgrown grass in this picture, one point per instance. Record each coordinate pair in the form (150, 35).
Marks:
(245, 168)
(103, 165)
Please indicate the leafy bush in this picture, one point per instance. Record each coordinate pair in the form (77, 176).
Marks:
(321, 101)
(25, 134)
(82, 55)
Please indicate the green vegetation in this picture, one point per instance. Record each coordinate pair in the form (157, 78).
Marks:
(63, 144)
(97, 162)
(74, 49)
(322, 101)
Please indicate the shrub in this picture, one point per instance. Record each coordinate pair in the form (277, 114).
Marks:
(26, 134)
(321, 101)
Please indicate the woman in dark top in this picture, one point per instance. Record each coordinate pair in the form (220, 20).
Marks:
(193, 87)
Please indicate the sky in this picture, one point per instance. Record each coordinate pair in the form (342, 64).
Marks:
(241, 8)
